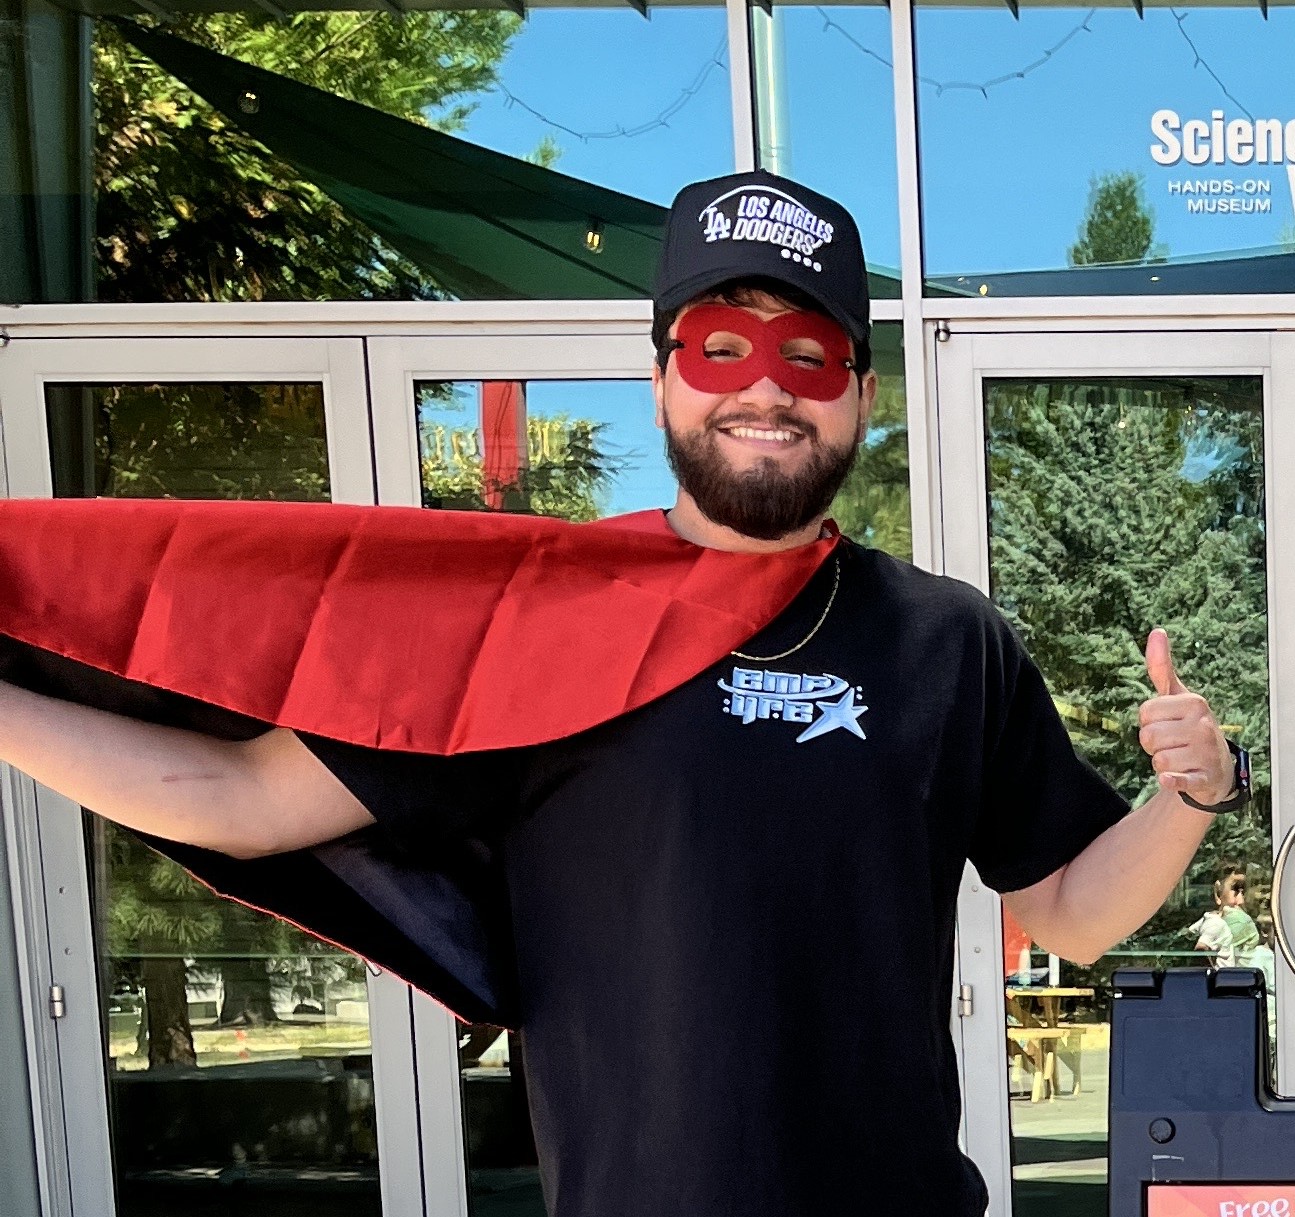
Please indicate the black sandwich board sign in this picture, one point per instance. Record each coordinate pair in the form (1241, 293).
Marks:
(1195, 1128)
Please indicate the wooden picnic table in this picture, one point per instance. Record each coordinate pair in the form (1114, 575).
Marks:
(1039, 1036)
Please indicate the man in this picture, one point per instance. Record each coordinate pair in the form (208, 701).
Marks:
(691, 886)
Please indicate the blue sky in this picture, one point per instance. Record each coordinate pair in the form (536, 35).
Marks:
(1006, 173)
(600, 69)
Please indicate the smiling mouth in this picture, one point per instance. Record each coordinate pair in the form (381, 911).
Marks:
(767, 435)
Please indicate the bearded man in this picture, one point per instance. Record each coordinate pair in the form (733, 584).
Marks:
(674, 898)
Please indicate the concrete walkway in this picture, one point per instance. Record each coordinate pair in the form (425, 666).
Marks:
(1059, 1145)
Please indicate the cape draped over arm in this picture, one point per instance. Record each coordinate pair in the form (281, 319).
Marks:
(390, 628)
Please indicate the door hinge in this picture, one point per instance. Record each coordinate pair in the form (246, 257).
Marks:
(57, 1002)
(964, 1001)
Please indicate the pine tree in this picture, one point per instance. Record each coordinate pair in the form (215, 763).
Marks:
(1117, 226)
(1118, 506)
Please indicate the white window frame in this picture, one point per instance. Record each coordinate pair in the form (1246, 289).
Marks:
(963, 360)
(28, 364)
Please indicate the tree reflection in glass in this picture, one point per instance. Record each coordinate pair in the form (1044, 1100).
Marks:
(1117, 505)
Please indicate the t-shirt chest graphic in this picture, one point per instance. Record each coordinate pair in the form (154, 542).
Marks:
(818, 702)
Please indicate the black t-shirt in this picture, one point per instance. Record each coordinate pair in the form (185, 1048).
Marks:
(733, 909)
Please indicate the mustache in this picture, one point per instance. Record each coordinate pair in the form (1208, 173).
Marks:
(781, 420)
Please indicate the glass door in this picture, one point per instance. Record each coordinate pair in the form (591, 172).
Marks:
(550, 426)
(233, 1055)
(1097, 486)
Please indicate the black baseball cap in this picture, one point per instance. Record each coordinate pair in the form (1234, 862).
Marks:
(760, 225)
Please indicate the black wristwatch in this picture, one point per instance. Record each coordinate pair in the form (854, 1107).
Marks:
(1240, 795)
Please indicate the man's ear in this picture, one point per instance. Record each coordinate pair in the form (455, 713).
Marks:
(658, 392)
(867, 399)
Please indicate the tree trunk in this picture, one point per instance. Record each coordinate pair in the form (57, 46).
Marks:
(247, 1000)
(166, 1011)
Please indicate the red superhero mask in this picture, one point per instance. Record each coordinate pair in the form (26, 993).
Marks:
(764, 350)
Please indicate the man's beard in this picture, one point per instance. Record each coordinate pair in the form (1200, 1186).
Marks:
(761, 502)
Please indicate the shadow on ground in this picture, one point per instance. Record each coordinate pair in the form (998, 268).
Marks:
(1027, 1151)
(1059, 1198)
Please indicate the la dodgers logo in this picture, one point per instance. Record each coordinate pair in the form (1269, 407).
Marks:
(718, 225)
(771, 217)
(794, 697)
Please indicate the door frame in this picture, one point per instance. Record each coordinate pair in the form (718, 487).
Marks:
(28, 364)
(963, 360)
(376, 458)
(492, 352)
(46, 852)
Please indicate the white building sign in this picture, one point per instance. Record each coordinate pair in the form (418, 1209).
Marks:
(1251, 150)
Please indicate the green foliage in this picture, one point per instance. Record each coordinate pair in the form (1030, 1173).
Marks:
(153, 906)
(205, 440)
(567, 473)
(1118, 226)
(872, 507)
(157, 908)
(190, 208)
(546, 154)
(1116, 507)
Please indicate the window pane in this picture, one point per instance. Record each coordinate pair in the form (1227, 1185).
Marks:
(1116, 506)
(458, 152)
(579, 449)
(237, 1048)
(825, 105)
(874, 505)
(207, 440)
(1109, 150)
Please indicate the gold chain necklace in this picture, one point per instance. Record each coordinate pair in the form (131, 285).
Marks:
(818, 625)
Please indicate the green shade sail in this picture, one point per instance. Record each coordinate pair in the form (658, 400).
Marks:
(481, 224)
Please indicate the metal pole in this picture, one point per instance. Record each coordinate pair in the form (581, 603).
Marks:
(773, 125)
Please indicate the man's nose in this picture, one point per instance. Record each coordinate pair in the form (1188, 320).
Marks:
(766, 392)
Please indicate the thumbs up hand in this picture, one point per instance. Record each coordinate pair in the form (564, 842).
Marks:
(1178, 731)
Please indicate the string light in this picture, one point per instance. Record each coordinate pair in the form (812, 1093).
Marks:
(1200, 63)
(620, 132)
(717, 61)
(942, 86)
(983, 87)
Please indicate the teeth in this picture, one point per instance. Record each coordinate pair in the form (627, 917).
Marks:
(782, 437)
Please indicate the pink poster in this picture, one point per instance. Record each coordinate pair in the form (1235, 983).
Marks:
(1220, 1199)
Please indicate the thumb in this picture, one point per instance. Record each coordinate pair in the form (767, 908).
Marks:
(1160, 665)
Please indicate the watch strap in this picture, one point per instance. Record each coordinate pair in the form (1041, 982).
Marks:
(1240, 795)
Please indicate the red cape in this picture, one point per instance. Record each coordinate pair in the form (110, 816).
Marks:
(392, 628)
(388, 627)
